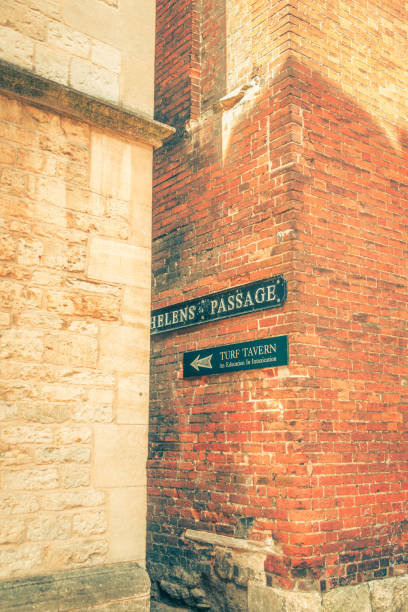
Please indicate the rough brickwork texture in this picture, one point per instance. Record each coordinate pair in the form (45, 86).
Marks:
(305, 175)
(74, 342)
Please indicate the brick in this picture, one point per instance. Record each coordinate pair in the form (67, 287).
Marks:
(231, 202)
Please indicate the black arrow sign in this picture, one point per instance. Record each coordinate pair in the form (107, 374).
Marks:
(265, 353)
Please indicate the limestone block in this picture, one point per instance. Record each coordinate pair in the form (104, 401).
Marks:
(41, 478)
(75, 476)
(72, 41)
(381, 594)
(65, 348)
(48, 454)
(18, 503)
(49, 8)
(8, 245)
(54, 527)
(15, 456)
(101, 395)
(113, 228)
(141, 186)
(267, 598)
(400, 595)
(22, 19)
(354, 598)
(14, 182)
(117, 208)
(70, 256)
(65, 500)
(51, 63)
(106, 56)
(136, 308)
(140, 225)
(79, 284)
(89, 523)
(60, 392)
(11, 531)
(60, 554)
(20, 560)
(5, 319)
(137, 96)
(40, 412)
(133, 399)
(117, 262)
(111, 166)
(29, 251)
(123, 349)
(113, 3)
(14, 295)
(35, 161)
(21, 434)
(105, 307)
(74, 434)
(87, 377)
(78, 453)
(7, 153)
(51, 191)
(127, 524)
(86, 328)
(37, 319)
(94, 80)
(16, 48)
(85, 201)
(92, 413)
(21, 344)
(120, 455)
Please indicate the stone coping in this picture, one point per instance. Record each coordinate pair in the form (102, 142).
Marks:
(214, 539)
(79, 589)
(42, 92)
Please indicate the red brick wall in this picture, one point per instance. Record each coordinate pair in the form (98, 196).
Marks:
(300, 179)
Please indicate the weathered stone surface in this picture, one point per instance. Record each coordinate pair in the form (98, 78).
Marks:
(381, 594)
(112, 261)
(277, 600)
(49, 528)
(89, 523)
(127, 515)
(65, 348)
(82, 498)
(175, 590)
(28, 480)
(18, 49)
(109, 587)
(400, 595)
(120, 455)
(354, 598)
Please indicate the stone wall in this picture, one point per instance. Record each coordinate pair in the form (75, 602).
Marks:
(76, 140)
(75, 286)
(104, 48)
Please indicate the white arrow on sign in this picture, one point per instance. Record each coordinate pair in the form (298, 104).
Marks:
(204, 362)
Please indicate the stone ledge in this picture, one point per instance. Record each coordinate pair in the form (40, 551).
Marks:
(387, 595)
(42, 92)
(214, 539)
(120, 586)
